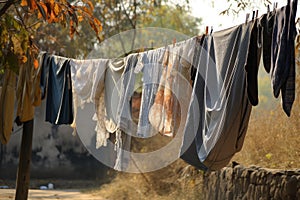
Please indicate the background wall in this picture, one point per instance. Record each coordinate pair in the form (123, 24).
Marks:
(56, 153)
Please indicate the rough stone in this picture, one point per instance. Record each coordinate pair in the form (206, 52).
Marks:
(253, 178)
(291, 186)
(237, 182)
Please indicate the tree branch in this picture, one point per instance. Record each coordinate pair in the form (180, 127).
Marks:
(6, 6)
(127, 15)
(21, 18)
(3, 1)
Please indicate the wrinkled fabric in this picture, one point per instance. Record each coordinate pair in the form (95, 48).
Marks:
(219, 110)
(124, 118)
(267, 23)
(56, 85)
(112, 95)
(162, 115)
(283, 63)
(197, 52)
(36, 92)
(188, 150)
(88, 87)
(7, 100)
(168, 102)
(252, 62)
(45, 64)
(151, 69)
(186, 59)
(156, 113)
(118, 108)
(25, 108)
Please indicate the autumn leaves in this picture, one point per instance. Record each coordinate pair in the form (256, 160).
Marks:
(64, 12)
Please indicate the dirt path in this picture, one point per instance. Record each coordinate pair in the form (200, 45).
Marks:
(7, 194)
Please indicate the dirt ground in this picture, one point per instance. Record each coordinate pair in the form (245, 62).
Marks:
(7, 194)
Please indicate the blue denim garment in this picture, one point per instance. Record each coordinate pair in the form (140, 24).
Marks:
(151, 62)
(56, 82)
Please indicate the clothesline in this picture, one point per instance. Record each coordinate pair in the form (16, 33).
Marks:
(200, 90)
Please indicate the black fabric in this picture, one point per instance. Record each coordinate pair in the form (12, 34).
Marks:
(252, 63)
(199, 42)
(217, 121)
(267, 23)
(283, 55)
(189, 152)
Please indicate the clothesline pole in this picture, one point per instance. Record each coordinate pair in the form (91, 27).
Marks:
(23, 175)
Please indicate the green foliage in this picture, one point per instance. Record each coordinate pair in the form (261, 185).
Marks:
(175, 18)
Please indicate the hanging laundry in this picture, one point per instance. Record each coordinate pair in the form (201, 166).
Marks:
(124, 118)
(196, 56)
(253, 61)
(56, 85)
(177, 91)
(25, 110)
(219, 111)
(156, 113)
(168, 95)
(125, 125)
(7, 100)
(88, 87)
(112, 95)
(161, 114)
(115, 101)
(189, 151)
(283, 63)
(186, 59)
(36, 93)
(151, 68)
(267, 24)
(44, 73)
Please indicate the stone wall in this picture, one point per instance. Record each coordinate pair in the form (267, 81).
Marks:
(238, 182)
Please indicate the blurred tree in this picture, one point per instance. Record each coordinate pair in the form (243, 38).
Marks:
(236, 6)
(172, 17)
(73, 28)
(116, 17)
(20, 20)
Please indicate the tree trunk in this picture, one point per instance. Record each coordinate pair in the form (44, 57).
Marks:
(23, 176)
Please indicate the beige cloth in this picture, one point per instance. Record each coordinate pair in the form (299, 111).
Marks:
(36, 93)
(112, 89)
(7, 106)
(25, 100)
(88, 78)
(165, 113)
